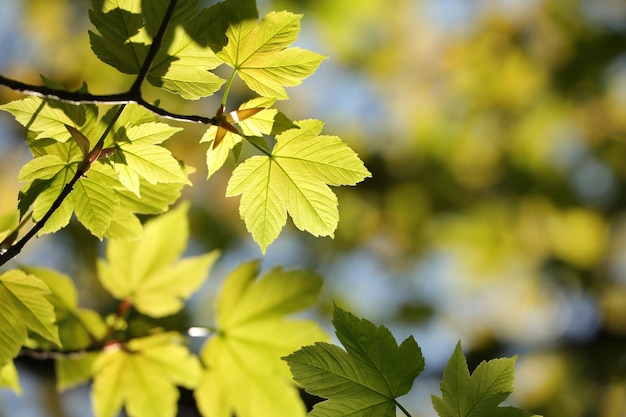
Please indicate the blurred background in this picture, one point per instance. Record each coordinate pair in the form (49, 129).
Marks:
(495, 131)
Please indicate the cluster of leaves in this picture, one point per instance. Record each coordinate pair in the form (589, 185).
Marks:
(137, 174)
(368, 377)
(240, 361)
(107, 165)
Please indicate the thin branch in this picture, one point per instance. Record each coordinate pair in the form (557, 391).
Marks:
(131, 96)
(15, 249)
(76, 97)
(157, 41)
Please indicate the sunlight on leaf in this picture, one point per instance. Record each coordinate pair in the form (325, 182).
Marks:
(148, 272)
(9, 378)
(143, 375)
(243, 371)
(295, 179)
(24, 308)
(260, 54)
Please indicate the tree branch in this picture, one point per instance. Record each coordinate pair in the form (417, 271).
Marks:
(157, 41)
(131, 96)
(77, 97)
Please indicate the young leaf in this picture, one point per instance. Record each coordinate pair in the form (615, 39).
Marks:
(244, 375)
(146, 271)
(258, 124)
(480, 394)
(260, 54)
(363, 380)
(142, 376)
(24, 308)
(294, 179)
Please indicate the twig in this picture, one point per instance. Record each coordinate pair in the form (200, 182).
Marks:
(132, 96)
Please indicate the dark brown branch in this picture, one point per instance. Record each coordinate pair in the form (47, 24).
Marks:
(76, 97)
(154, 48)
(15, 249)
(131, 96)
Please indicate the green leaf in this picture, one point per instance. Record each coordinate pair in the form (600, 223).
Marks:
(9, 378)
(138, 157)
(94, 199)
(363, 380)
(24, 308)
(73, 372)
(182, 66)
(294, 179)
(260, 54)
(78, 328)
(147, 272)
(244, 375)
(142, 376)
(480, 394)
(122, 41)
(46, 117)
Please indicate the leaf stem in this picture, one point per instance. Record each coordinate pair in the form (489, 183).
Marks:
(404, 410)
(229, 83)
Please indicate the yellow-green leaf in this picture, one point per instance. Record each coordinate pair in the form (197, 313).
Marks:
(295, 179)
(260, 54)
(147, 271)
(71, 372)
(143, 375)
(24, 308)
(244, 375)
(9, 378)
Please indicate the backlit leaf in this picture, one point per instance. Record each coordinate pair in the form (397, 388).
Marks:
(78, 328)
(24, 308)
(46, 117)
(260, 54)
(244, 375)
(148, 272)
(143, 375)
(294, 179)
(126, 30)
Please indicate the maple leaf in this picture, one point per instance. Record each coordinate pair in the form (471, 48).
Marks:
(478, 394)
(24, 308)
(363, 380)
(142, 376)
(126, 30)
(244, 374)
(294, 179)
(258, 51)
(147, 272)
